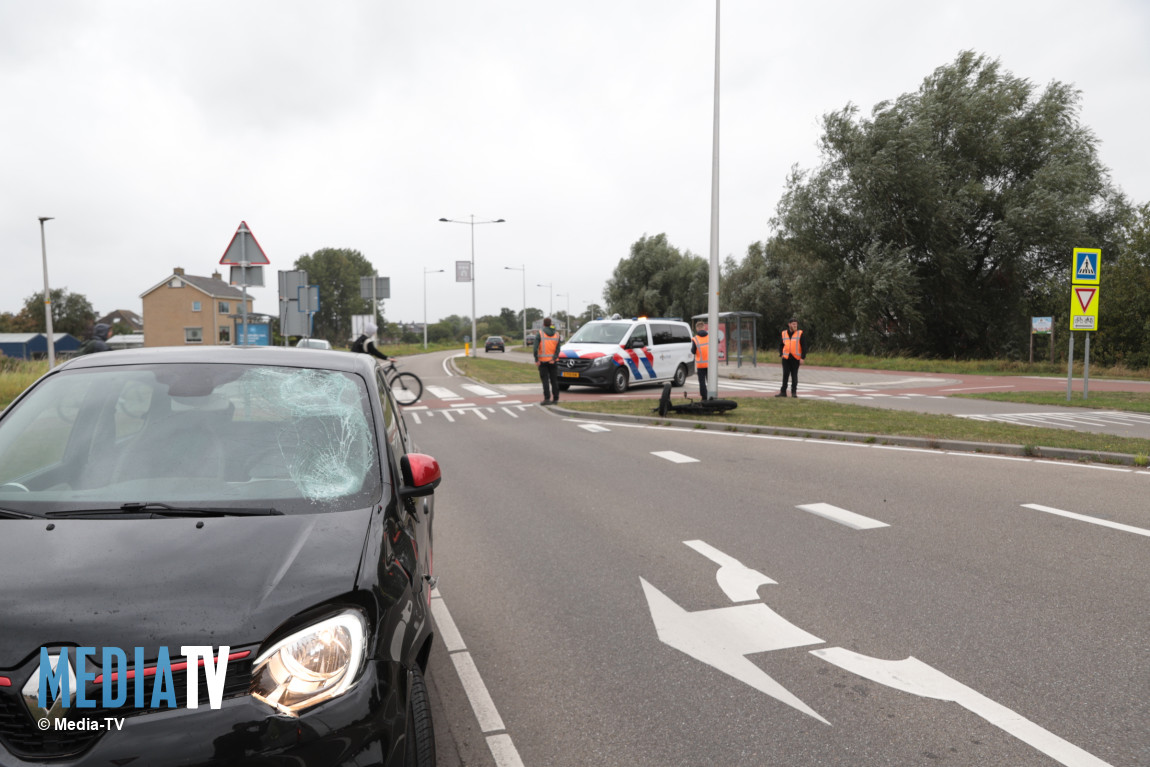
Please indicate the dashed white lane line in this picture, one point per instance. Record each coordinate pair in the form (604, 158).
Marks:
(498, 741)
(842, 516)
(1091, 520)
(593, 427)
(674, 457)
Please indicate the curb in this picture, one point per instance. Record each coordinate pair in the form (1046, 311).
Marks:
(925, 443)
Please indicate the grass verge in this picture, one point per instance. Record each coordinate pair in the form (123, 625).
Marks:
(497, 371)
(769, 412)
(968, 367)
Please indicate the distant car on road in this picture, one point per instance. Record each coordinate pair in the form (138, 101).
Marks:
(257, 509)
(494, 343)
(313, 343)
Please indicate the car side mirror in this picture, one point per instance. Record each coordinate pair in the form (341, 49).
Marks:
(421, 475)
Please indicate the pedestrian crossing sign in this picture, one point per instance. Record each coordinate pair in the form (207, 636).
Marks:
(1087, 266)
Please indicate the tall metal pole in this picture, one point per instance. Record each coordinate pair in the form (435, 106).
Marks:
(244, 284)
(47, 297)
(713, 280)
(1070, 367)
(472, 222)
(1086, 369)
(426, 272)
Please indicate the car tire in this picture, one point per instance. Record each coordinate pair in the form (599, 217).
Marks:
(564, 387)
(680, 377)
(619, 380)
(420, 749)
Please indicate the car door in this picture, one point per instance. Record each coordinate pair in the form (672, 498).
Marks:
(641, 360)
(415, 514)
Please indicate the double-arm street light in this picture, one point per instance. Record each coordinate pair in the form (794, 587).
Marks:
(550, 298)
(472, 222)
(47, 297)
(426, 272)
(522, 269)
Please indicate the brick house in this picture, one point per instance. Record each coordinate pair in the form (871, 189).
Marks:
(186, 310)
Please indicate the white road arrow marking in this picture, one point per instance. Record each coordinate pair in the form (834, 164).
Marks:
(739, 582)
(913, 676)
(722, 638)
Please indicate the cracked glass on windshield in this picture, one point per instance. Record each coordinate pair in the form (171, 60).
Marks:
(220, 435)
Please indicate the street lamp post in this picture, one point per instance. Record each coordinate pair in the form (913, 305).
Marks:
(522, 269)
(47, 297)
(550, 298)
(472, 222)
(568, 320)
(426, 272)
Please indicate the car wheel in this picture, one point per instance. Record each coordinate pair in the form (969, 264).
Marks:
(619, 380)
(680, 376)
(420, 750)
(564, 387)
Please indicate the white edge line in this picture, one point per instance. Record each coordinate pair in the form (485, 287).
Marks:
(504, 751)
(1091, 520)
(481, 703)
(448, 631)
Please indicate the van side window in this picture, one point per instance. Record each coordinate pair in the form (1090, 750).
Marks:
(661, 332)
(680, 334)
(638, 337)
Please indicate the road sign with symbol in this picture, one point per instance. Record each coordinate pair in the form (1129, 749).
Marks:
(1087, 266)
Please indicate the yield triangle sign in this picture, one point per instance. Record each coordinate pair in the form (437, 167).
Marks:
(1085, 296)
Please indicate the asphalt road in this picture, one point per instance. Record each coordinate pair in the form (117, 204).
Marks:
(622, 595)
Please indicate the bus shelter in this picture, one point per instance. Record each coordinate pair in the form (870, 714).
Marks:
(738, 336)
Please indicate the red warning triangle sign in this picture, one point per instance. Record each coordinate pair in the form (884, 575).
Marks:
(1085, 296)
(244, 249)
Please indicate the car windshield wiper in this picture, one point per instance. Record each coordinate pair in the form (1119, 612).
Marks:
(13, 514)
(167, 510)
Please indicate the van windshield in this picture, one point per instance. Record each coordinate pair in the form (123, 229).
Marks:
(601, 333)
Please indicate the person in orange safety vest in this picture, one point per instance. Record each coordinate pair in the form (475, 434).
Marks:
(792, 350)
(700, 347)
(546, 354)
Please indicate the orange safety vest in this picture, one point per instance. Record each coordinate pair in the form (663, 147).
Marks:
(702, 350)
(548, 347)
(793, 346)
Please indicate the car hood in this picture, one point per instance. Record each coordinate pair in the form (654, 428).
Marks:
(589, 351)
(154, 582)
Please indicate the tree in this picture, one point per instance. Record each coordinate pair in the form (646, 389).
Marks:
(337, 272)
(657, 280)
(1124, 314)
(71, 313)
(935, 227)
(758, 284)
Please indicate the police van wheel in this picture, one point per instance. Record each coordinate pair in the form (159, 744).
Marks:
(619, 380)
(564, 387)
(680, 376)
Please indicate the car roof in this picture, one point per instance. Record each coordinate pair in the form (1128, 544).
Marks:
(281, 356)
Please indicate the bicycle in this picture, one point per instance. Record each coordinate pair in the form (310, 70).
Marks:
(405, 387)
(692, 407)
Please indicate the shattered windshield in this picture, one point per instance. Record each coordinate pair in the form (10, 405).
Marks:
(601, 333)
(226, 435)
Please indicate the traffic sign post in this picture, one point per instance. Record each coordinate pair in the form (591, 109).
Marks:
(1085, 287)
(243, 251)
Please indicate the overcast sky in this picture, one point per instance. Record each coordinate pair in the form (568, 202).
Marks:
(149, 130)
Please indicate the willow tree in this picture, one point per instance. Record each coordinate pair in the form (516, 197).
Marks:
(936, 225)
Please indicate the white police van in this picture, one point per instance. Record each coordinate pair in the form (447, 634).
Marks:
(616, 353)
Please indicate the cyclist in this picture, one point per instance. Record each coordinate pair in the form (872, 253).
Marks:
(365, 344)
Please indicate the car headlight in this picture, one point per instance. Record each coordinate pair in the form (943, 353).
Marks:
(315, 664)
(600, 362)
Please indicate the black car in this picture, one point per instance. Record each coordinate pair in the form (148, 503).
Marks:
(494, 343)
(253, 518)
